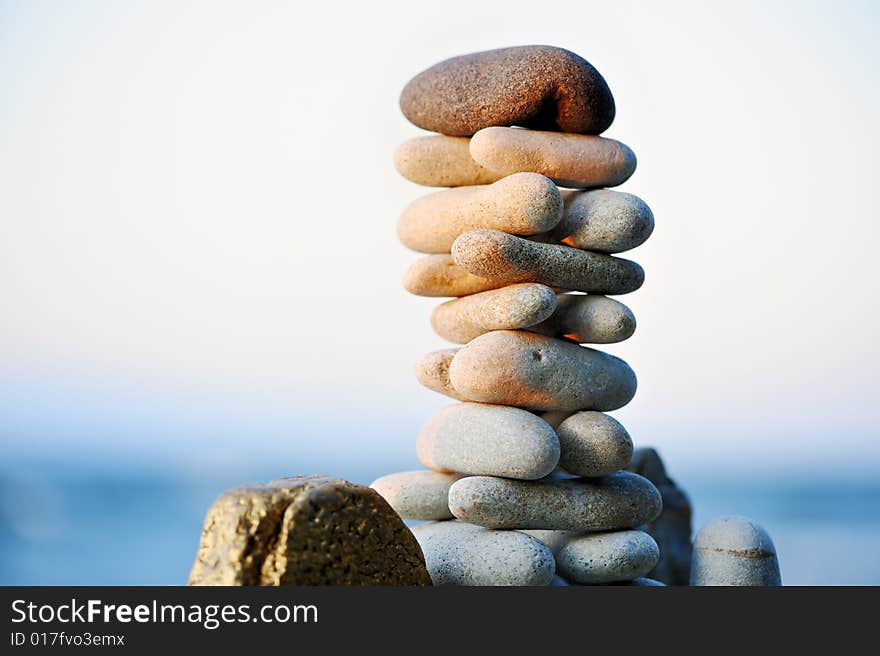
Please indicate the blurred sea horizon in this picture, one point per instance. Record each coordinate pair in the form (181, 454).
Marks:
(106, 520)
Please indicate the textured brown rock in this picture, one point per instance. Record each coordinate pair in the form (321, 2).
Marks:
(540, 87)
(672, 529)
(311, 530)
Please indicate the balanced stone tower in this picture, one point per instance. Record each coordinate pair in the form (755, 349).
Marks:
(524, 482)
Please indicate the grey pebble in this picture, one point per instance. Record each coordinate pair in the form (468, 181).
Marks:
(607, 557)
(733, 551)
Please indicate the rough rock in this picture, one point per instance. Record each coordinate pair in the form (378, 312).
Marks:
(311, 530)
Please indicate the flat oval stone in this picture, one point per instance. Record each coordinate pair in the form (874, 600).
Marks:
(540, 373)
(499, 256)
(511, 307)
(588, 319)
(439, 275)
(599, 558)
(603, 220)
(457, 553)
(570, 160)
(521, 204)
(593, 444)
(495, 440)
(733, 551)
(532, 86)
(417, 494)
(432, 371)
(621, 500)
(440, 161)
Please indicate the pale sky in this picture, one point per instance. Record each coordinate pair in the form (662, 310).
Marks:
(198, 212)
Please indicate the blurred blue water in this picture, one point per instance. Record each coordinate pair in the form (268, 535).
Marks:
(136, 523)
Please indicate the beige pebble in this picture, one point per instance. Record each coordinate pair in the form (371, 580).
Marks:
(493, 440)
(512, 307)
(521, 204)
(500, 256)
(432, 371)
(621, 500)
(420, 495)
(440, 161)
(439, 275)
(517, 368)
(593, 444)
(603, 220)
(570, 160)
(588, 319)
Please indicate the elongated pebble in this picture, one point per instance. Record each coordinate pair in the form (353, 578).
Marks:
(588, 319)
(540, 373)
(417, 494)
(733, 551)
(440, 161)
(500, 256)
(621, 500)
(439, 275)
(432, 371)
(570, 160)
(607, 557)
(457, 553)
(603, 220)
(521, 204)
(495, 440)
(593, 444)
(511, 307)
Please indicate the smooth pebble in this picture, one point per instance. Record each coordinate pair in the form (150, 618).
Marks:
(593, 444)
(511, 367)
(440, 161)
(493, 440)
(457, 553)
(607, 557)
(500, 256)
(439, 275)
(733, 551)
(432, 371)
(571, 160)
(515, 306)
(588, 319)
(603, 220)
(417, 495)
(619, 501)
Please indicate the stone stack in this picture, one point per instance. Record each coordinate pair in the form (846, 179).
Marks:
(524, 482)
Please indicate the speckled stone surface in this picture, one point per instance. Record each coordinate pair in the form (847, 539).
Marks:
(672, 529)
(458, 553)
(593, 444)
(521, 204)
(571, 160)
(495, 440)
(619, 501)
(508, 308)
(439, 275)
(731, 551)
(420, 495)
(499, 256)
(440, 161)
(588, 319)
(539, 87)
(311, 530)
(603, 220)
(432, 371)
(523, 369)
(606, 557)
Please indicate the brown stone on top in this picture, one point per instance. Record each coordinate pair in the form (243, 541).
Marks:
(539, 87)
(310, 530)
